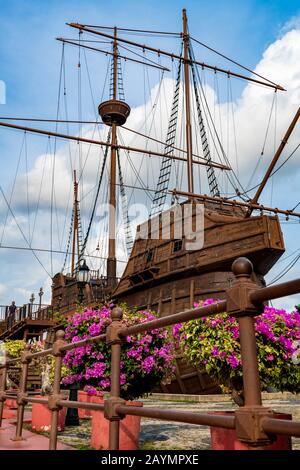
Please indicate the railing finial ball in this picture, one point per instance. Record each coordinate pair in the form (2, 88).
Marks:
(242, 267)
(116, 314)
(60, 334)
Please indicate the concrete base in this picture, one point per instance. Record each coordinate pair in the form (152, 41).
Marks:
(31, 440)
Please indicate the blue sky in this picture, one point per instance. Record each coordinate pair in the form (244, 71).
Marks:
(30, 59)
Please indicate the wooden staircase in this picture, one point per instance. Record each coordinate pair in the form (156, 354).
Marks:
(27, 322)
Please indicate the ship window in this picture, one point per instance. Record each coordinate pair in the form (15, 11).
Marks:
(149, 255)
(177, 246)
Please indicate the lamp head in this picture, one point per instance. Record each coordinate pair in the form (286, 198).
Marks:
(83, 273)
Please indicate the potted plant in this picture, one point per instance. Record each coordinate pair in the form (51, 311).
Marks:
(41, 415)
(12, 350)
(212, 344)
(146, 361)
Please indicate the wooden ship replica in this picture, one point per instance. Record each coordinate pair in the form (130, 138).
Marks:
(166, 273)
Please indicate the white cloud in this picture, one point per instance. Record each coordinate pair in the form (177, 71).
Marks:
(3, 290)
(293, 23)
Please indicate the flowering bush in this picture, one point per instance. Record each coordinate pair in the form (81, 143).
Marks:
(212, 343)
(146, 359)
(13, 348)
(43, 365)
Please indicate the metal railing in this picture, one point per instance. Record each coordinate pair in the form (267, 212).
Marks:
(4, 312)
(255, 424)
(27, 311)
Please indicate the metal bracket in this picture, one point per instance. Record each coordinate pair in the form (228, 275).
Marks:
(53, 401)
(248, 425)
(238, 296)
(110, 406)
(238, 300)
(22, 398)
(112, 333)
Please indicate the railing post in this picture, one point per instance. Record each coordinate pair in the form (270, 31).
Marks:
(22, 394)
(113, 339)
(2, 389)
(55, 396)
(248, 418)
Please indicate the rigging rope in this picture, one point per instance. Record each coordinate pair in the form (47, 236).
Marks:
(212, 180)
(22, 233)
(231, 60)
(265, 140)
(166, 165)
(54, 159)
(233, 125)
(13, 188)
(27, 186)
(61, 242)
(212, 132)
(126, 221)
(272, 174)
(285, 270)
(96, 198)
(69, 242)
(40, 189)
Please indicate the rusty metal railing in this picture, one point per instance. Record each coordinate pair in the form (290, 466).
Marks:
(255, 424)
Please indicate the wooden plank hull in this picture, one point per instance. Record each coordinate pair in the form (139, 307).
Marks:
(225, 239)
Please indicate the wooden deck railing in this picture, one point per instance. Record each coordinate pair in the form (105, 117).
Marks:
(26, 312)
(254, 424)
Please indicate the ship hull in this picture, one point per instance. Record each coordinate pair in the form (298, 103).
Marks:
(164, 276)
(172, 281)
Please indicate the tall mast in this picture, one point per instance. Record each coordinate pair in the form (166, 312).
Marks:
(75, 242)
(188, 127)
(111, 260)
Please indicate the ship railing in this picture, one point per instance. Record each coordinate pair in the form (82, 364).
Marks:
(28, 311)
(4, 312)
(100, 287)
(254, 424)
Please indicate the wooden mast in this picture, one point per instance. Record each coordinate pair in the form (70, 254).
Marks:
(274, 160)
(75, 242)
(111, 260)
(188, 127)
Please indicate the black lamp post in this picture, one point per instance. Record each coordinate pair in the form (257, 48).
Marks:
(41, 293)
(31, 300)
(72, 418)
(83, 277)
